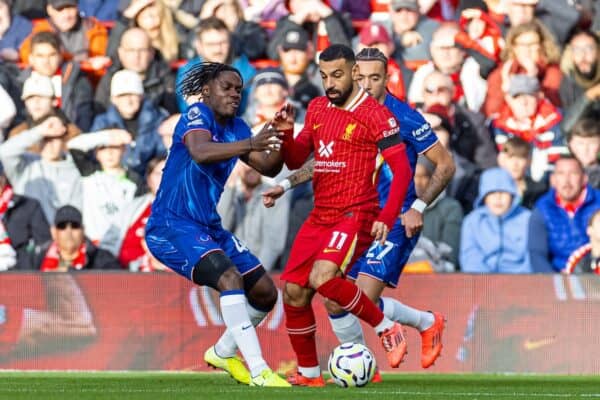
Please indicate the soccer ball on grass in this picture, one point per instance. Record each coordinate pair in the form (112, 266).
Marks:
(351, 364)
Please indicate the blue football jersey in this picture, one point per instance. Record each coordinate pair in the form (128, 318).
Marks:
(191, 190)
(418, 137)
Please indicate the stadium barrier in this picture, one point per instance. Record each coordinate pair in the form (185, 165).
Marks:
(496, 323)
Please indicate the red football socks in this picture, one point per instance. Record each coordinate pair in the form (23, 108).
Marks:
(352, 299)
(301, 326)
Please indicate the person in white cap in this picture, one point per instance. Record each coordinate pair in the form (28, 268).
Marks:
(131, 111)
(40, 102)
(52, 177)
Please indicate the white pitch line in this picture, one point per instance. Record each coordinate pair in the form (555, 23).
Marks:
(357, 391)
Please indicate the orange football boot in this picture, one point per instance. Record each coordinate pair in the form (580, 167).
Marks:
(394, 344)
(297, 379)
(431, 341)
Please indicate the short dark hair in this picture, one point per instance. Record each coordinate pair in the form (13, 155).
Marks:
(201, 74)
(585, 32)
(372, 54)
(337, 51)
(586, 127)
(517, 147)
(569, 156)
(50, 38)
(210, 24)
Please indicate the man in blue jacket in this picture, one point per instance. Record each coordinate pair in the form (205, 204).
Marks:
(559, 221)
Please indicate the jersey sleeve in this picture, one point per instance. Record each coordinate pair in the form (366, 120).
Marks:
(197, 117)
(415, 130)
(383, 124)
(242, 130)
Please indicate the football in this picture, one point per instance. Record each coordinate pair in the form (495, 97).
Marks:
(351, 365)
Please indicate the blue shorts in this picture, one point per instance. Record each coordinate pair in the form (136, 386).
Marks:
(180, 244)
(386, 262)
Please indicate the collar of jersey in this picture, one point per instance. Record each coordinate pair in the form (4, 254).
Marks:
(355, 102)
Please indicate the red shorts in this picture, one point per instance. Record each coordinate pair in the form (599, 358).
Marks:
(341, 243)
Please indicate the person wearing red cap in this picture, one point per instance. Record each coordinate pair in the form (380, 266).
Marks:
(374, 34)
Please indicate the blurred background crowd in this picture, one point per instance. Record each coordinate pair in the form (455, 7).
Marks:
(88, 106)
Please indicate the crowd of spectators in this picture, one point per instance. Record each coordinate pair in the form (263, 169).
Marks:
(88, 104)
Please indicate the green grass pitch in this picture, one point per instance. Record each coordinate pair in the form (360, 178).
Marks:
(217, 386)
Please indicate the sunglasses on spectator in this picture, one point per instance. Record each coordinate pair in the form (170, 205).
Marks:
(439, 89)
(61, 226)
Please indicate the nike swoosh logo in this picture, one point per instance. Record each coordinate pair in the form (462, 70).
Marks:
(330, 251)
(316, 126)
(538, 344)
(246, 327)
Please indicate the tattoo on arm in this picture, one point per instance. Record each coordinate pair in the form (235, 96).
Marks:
(304, 174)
(438, 182)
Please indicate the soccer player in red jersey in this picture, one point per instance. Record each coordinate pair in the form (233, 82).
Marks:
(346, 129)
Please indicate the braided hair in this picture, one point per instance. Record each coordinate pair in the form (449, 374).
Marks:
(201, 74)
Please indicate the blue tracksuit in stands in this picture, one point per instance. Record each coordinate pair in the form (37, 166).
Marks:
(184, 224)
(385, 262)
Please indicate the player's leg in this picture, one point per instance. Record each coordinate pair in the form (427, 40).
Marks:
(382, 266)
(241, 329)
(262, 296)
(297, 296)
(348, 237)
(302, 326)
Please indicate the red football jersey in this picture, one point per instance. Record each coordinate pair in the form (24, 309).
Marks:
(344, 142)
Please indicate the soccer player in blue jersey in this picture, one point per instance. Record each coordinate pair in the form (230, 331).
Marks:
(184, 230)
(382, 265)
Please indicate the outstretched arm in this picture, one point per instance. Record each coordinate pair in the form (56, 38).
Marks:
(67, 321)
(412, 219)
(267, 162)
(203, 150)
(394, 154)
(304, 174)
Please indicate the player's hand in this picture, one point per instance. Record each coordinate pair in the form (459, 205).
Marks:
(284, 119)
(380, 231)
(267, 139)
(52, 127)
(270, 195)
(412, 221)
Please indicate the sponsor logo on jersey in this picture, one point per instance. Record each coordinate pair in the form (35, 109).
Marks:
(193, 113)
(329, 166)
(349, 131)
(325, 150)
(391, 132)
(392, 122)
(196, 122)
(422, 132)
(316, 126)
